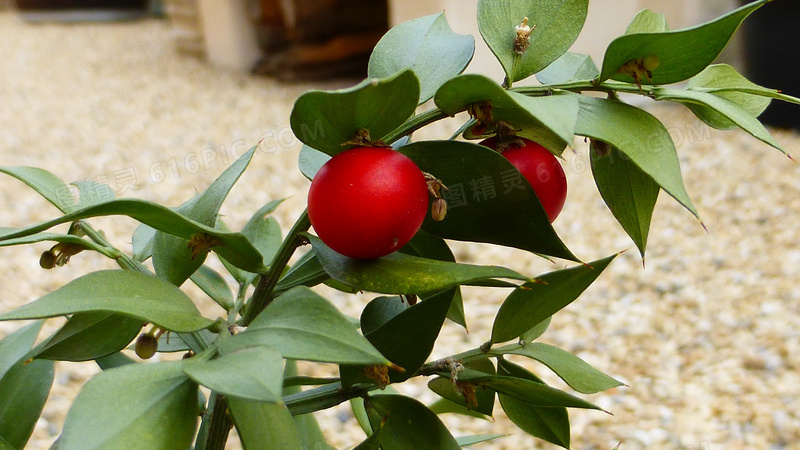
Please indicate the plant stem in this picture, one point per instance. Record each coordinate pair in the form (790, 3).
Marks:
(415, 123)
(219, 426)
(267, 282)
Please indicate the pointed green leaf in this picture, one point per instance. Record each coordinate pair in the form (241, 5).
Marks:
(212, 283)
(307, 271)
(724, 107)
(408, 337)
(381, 310)
(23, 391)
(647, 21)
(555, 26)
(569, 67)
(398, 273)
(260, 424)
(124, 292)
(91, 335)
(326, 120)
(629, 193)
(550, 424)
(16, 345)
(548, 120)
(640, 137)
(425, 45)
(408, 424)
(114, 360)
(577, 373)
(486, 200)
(535, 301)
(265, 234)
(160, 409)
(311, 160)
(532, 392)
(466, 441)
(251, 373)
(234, 246)
(300, 324)
(444, 406)
(682, 53)
(173, 258)
(46, 184)
(54, 237)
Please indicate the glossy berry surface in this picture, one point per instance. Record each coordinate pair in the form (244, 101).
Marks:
(542, 170)
(367, 202)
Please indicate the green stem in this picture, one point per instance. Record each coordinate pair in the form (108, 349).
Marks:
(267, 282)
(585, 86)
(323, 397)
(415, 123)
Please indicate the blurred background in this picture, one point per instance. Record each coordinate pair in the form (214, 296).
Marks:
(156, 98)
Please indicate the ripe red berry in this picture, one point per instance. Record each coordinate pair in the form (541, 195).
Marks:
(540, 168)
(367, 202)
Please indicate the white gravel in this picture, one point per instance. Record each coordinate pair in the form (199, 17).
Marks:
(705, 335)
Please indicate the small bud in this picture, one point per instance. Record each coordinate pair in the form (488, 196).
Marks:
(523, 38)
(47, 260)
(439, 209)
(146, 346)
(379, 373)
(650, 63)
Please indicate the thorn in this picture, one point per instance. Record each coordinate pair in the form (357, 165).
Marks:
(790, 157)
(394, 366)
(704, 226)
(643, 265)
(618, 445)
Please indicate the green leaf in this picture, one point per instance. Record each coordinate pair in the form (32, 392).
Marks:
(16, 345)
(535, 301)
(408, 424)
(260, 424)
(548, 120)
(425, 45)
(647, 21)
(682, 53)
(46, 184)
(265, 234)
(578, 374)
(408, 337)
(173, 258)
(728, 109)
(484, 397)
(486, 200)
(640, 137)
(555, 25)
(534, 333)
(398, 273)
(41, 237)
(126, 292)
(142, 242)
(251, 373)
(569, 67)
(381, 310)
(23, 391)
(303, 325)
(326, 120)
(429, 246)
(629, 193)
(4, 445)
(550, 424)
(307, 271)
(212, 283)
(114, 360)
(160, 409)
(306, 424)
(532, 392)
(91, 192)
(444, 406)
(233, 247)
(91, 335)
(724, 81)
(311, 160)
(466, 441)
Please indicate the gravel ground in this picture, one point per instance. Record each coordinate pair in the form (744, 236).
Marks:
(705, 335)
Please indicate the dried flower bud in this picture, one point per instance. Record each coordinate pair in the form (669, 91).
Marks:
(523, 38)
(47, 260)
(439, 209)
(146, 346)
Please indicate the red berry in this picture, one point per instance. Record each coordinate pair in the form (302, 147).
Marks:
(367, 202)
(540, 168)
